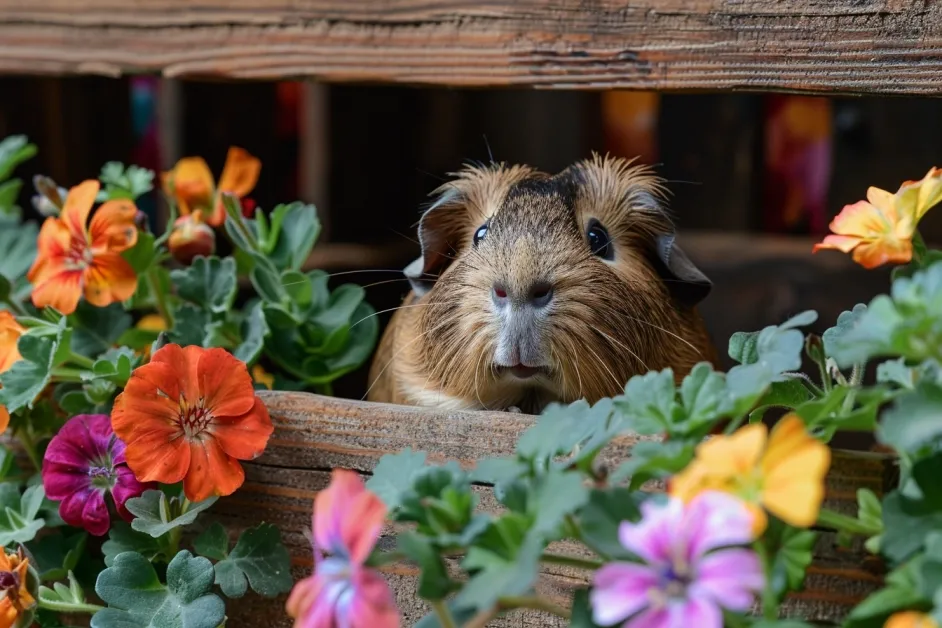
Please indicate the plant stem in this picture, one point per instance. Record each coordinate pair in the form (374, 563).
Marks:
(809, 383)
(63, 374)
(326, 389)
(570, 561)
(843, 523)
(919, 248)
(81, 360)
(15, 307)
(769, 603)
(444, 615)
(733, 425)
(69, 607)
(536, 603)
(29, 446)
(160, 299)
(480, 620)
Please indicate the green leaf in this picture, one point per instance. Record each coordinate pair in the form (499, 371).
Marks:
(65, 599)
(14, 150)
(394, 474)
(267, 281)
(555, 495)
(190, 326)
(836, 335)
(42, 348)
(460, 615)
(600, 519)
(254, 332)
(896, 372)
(906, 523)
(703, 393)
(434, 583)
(142, 255)
(152, 513)
(749, 347)
(791, 551)
(495, 576)
(136, 598)
(208, 282)
(115, 365)
(213, 542)
(652, 460)
(260, 557)
(97, 329)
(56, 554)
(296, 227)
(901, 593)
(561, 429)
(18, 520)
(18, 243)
(120, 182)
(912, 421)
(122, 538)
(649, 402)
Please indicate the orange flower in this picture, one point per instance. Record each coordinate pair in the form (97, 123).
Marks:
(191, 183)
(74, 257)
(13, 585)
(191, 414)
(910, 619)
(880, 229)
(10, 332)
(782, 471)
(261, 376)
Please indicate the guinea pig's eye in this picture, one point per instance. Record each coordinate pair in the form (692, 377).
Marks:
(479, 234)
(600, 243)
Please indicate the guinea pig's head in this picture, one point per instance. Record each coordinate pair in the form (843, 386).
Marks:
(536, 288)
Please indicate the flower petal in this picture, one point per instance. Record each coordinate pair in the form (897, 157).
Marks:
(302, 598)
(192, 184)
(654, 537)
(884, 251)
(127, 487)
(61, 289)
(112, 227)
(731, 578)
(158, 453)
(244, 437)
(347, 517)
(239, 176)
(713, 520)
(72, 507)
(862, 220)
(78, 204)
(619, 590)
(793, 468)
(371, 604)
(53, 245)
(95, 516)
(844, 244)
(224, 383)
(734, 455)
(4, 418)
(212, 471)
(109, 279)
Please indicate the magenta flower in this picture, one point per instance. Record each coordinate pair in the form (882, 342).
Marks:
(84, 461)
(342, 591)
(683, 582)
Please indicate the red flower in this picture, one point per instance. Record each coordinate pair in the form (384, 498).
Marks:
(191, 414)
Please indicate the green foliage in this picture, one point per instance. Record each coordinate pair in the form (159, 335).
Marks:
(394, 474)
(122, 182)
(258, 559)
(65, 598)
(56, 555)
(19, 517)
(136, 597)
(43, 348)
(156, 515)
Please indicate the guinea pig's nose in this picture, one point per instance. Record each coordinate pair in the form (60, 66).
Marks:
(538, 295)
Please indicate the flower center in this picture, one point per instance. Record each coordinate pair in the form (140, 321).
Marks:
(79, 256)
(10, 584)
(194, 419)
(675, 578)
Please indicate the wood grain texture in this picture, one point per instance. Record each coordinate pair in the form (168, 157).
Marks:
(847, 46)
(314, 434)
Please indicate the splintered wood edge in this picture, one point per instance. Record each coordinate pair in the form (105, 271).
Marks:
(314, 434)
(676, 45)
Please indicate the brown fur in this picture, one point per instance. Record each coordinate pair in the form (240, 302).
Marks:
(610, 321)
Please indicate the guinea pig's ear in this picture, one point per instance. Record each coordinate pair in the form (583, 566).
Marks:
(436, 229)
(684, 280)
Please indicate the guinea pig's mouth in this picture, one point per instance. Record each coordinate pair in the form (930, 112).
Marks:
(522, 371)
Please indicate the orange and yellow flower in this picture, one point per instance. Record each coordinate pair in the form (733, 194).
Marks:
(191, 414)
(14, 587)
(880, 230)
(191, 237)
(782, 472)
(77, 256)
(263, 377)
(10, 332)
(910, 619)
(191, 183)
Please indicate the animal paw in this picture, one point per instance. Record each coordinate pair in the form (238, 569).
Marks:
(514, 409)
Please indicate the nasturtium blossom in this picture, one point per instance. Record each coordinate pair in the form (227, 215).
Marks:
(342, 591)
(910, 619)
(191, 237)
(10, 332)
(77, 256)
(191, 414)
(191, 183)
(880, 230)
(782, 471)
(690, 569)
(83, 463)
(14, 587)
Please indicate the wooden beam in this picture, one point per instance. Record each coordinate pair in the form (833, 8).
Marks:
(845, 46)
(314, 434)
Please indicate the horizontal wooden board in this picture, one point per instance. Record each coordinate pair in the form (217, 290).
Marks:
(314, 434)
(847, 46)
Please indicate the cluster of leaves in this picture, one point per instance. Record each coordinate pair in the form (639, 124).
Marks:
(554, 486)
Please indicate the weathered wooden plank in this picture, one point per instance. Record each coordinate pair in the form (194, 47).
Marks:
(314, 434)
(871, 46)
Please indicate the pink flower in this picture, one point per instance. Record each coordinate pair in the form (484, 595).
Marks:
(342, 591)
(683, 581)
(84, 461)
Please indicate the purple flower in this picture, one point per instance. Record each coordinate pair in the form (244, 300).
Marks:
(84, 461)
(682, 582)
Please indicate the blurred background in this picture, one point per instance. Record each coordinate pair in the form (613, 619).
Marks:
(755, 179)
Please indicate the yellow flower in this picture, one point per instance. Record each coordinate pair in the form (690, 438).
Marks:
(152, 322)
(13, 587)
(191, 183)
(261, 376)
(880, 229)
(782, 472)
(910, 619)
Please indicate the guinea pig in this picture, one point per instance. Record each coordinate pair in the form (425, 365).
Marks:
(534, 288)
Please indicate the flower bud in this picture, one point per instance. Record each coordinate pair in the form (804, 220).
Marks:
(191, 237)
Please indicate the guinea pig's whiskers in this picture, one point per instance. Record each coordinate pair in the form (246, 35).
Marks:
(666, 331)
(380, 283)
(477, 393)
(605, 366)
(397, 353)
(392, 309)
(616, 342)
